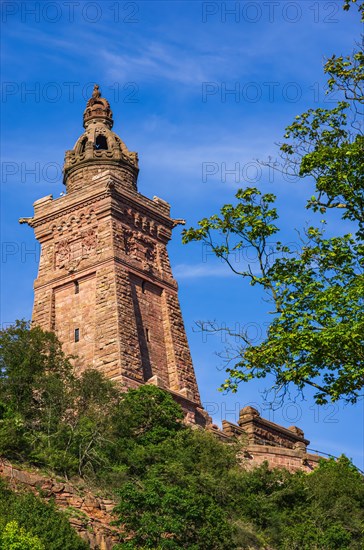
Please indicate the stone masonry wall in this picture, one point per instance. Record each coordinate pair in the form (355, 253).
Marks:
(279, 457)
(106, 287)
(149, 319)
(74, 309)
(77, 180)
(184, 368)
(264, 440)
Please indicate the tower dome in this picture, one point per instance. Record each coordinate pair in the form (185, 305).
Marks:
(99, 148)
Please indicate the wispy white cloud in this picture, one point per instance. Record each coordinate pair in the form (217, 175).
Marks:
(155, 61)
(186, 271)
(207, 269)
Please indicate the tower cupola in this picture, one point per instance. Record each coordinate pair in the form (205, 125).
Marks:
(99, 148)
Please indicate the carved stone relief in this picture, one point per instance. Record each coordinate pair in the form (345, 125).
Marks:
(62, 254)
(89, 242)
(69, 254)
(140, 248)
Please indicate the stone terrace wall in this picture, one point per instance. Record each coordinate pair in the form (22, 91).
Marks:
(267, 441)
(279, 457)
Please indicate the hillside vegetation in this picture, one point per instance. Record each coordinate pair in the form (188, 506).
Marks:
(175, 487)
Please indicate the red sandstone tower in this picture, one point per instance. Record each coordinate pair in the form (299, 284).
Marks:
(105, 284)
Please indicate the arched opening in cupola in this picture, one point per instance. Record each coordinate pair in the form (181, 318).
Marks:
(83, 145)
(101, 142)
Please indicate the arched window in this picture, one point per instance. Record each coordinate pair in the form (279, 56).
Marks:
(83, 145)
(101, 142)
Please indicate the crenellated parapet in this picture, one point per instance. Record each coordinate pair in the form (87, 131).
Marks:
(266, 441)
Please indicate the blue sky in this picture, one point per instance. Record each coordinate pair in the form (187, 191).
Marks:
(167, 69)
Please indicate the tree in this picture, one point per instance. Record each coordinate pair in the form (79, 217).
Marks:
(316, 337)
(147, 414)
(48, 416)
(33, 376)
(191, 493)
(180, 493)
(322, 510)
(27, 523)
(16, 538)
(360, 5)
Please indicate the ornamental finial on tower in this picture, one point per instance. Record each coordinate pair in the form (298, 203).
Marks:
(96, 91)
(97, 110)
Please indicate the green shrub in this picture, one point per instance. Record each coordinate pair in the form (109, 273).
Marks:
(26, 517)
(14, 537)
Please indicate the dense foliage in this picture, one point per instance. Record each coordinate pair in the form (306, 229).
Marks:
(316, 335)
(175, 487)
(49, 416)
(27, 523)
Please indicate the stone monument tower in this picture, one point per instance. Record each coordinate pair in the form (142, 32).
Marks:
(105, 284)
